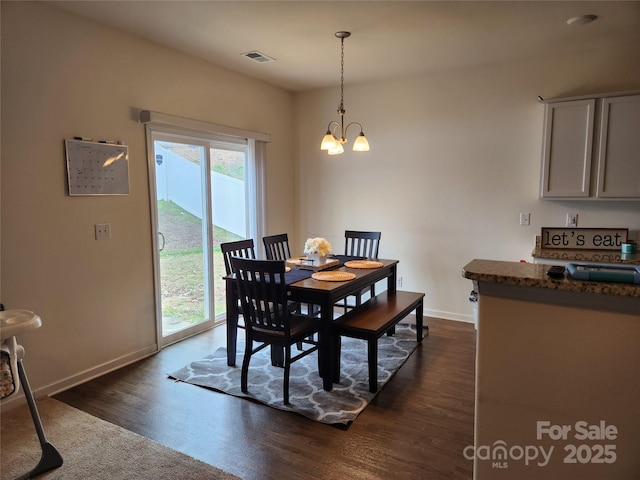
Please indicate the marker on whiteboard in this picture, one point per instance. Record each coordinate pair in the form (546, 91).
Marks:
(83, 139)
(108, 142)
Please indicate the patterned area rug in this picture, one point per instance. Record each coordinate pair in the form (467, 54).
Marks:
(340, 406)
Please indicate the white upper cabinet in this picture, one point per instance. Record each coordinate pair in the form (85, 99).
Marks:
(591, 149)
(568, 142)
(619, 152)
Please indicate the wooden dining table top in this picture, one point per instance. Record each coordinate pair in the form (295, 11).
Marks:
(328, 286)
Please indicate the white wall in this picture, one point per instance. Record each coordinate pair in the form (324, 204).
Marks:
(64, 76)
(454, 159)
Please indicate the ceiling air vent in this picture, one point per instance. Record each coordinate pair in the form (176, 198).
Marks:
(258, 57)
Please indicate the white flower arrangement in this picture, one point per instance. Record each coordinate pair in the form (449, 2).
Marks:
(318, 246)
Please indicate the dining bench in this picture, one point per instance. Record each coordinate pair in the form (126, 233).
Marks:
(374, 318)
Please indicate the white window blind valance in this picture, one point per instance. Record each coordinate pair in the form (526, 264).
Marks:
(157, 118)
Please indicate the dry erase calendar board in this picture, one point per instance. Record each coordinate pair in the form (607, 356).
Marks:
(97, 168)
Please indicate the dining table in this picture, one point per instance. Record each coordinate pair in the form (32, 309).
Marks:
(303, 288)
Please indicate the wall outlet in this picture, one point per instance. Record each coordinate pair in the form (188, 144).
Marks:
(525, 219)
(572, 220)
(399, 282)
(103, 231)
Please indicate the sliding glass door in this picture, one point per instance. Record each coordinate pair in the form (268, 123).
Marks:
(183, 219)
(201, 200)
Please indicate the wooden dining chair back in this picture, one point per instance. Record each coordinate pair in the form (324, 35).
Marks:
(361, 244)
(239, 248)
(276, 247)
(269, 322)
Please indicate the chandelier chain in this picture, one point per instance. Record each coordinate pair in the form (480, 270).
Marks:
(341, 76)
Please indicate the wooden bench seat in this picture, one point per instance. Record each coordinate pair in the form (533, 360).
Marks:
(374, 318)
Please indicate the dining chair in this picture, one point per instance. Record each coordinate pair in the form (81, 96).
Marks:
(359, 243)
(245, 249)
(269, 322)
(276, 247)
(239, 248)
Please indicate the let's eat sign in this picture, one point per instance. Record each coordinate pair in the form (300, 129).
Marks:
(584, 238)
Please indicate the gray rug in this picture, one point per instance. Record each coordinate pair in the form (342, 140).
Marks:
(340, 406)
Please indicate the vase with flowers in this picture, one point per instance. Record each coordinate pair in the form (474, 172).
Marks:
(317, 249)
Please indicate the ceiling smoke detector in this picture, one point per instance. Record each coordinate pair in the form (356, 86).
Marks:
(258, 57)
(581, 19)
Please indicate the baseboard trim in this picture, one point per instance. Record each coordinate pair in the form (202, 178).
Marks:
(458, 317)
(80, 377)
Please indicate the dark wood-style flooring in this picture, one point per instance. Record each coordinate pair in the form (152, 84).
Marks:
(415, 428)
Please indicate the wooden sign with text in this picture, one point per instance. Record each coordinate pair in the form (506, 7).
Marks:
(584, 238)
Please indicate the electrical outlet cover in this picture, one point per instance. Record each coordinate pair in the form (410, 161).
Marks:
(102, 231)
(572, 220)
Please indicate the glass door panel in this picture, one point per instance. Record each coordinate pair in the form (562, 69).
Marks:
(228, 204)
(183, 211)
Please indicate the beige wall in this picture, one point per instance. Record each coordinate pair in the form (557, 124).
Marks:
(455, 157)
(64, 76)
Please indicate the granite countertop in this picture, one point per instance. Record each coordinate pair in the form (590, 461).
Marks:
(601, 256)
(535, 275)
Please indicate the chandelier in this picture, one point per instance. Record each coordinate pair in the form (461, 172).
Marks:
(330, 143)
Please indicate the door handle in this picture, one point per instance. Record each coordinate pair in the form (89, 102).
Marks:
(162, 243)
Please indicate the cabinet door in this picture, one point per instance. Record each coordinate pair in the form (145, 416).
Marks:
(567, 148)
(619, 152)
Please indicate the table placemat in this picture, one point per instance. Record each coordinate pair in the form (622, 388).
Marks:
(333, 276)
(295, 260)
(363, 264)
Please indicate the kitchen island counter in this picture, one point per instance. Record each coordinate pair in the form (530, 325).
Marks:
(557, 373)
(535, 275)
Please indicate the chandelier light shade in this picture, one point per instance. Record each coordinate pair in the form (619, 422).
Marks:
(330, 143)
